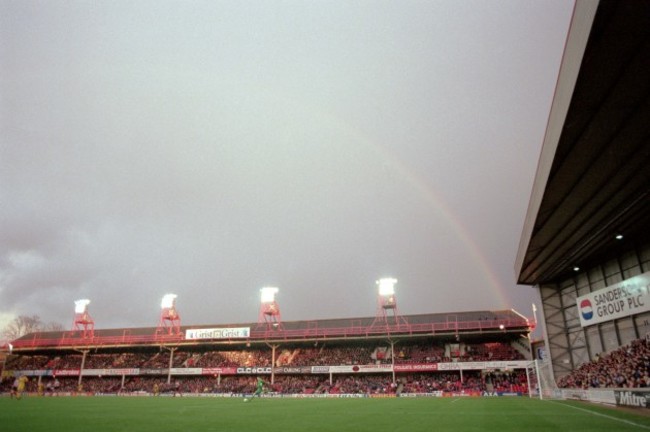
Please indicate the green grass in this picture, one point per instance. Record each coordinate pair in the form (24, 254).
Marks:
(189, 414)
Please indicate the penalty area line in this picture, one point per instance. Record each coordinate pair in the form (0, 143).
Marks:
(603, 415)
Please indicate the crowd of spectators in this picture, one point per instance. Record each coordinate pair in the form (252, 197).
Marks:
(323, 356)
(470, 381)
(625, 367)
(490, 352)
(296, 356)
(421, 353)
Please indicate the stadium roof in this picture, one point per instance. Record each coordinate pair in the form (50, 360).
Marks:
(501, 323)
(593, 177)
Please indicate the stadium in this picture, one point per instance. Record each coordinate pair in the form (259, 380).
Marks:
(585, 247)
(364, 356)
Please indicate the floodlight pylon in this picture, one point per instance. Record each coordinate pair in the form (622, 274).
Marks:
(82, 321)
(170, 319)
(269, 316)
(387, 313)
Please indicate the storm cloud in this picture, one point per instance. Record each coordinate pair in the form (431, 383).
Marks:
(212, 148)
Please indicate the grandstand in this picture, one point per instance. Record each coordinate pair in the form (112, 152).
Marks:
(586, 243)
(463, 352)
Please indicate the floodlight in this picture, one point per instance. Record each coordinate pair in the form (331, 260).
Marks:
(82, 319)
(387, 303)
(168, 301)
(269, 317)
(11, 348)
(386, 286)
(80, 306)
(268, 294)
(170, 320)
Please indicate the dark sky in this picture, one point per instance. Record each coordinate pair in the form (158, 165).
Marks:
(209, 149)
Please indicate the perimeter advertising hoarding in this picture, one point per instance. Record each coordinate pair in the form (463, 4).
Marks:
(361, 369)
(292, 370)
(185, 371)
(416, 367)
(629, 297)
(219, 371)
(265, 370)
(41, 372)
(110, 372)
(218, 333)
(501, 365)
(65, 372)
(254, 370)
(632, 398)
(157, 371)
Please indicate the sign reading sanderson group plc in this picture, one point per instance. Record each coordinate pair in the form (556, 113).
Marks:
(218, 333)
(629, 297)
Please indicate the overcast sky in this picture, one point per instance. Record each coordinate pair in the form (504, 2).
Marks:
(209, 149)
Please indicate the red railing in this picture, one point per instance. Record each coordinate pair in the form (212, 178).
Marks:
(72, 339)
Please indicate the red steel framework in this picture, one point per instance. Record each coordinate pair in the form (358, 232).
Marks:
(84, 324)
(387, 312)
(270, 318)
(311, 332)
(170, 322)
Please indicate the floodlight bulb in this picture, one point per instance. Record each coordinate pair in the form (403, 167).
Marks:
(386, 286)
(80, 306)
(268, 294)
(168, 301)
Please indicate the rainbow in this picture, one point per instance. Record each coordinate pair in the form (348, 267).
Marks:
(300, 108)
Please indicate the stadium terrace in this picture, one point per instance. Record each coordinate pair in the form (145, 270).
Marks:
(435, 354)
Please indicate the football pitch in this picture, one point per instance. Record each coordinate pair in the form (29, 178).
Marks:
(189, 414)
